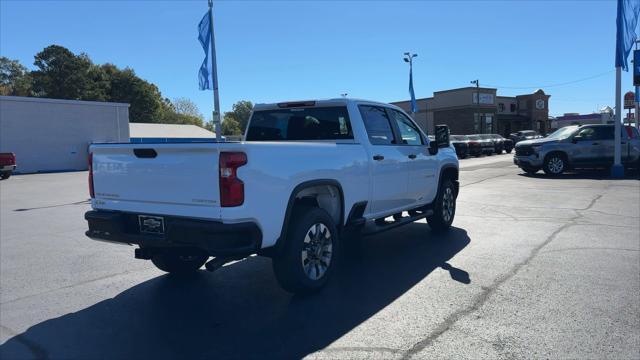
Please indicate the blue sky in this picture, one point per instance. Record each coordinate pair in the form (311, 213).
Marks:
(272, 51)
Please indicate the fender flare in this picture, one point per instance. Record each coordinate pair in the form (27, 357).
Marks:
(448, 168)
(291, 203)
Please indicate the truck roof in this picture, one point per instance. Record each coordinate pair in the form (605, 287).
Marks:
(320, 102)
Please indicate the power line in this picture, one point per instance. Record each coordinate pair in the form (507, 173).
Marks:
(552, 85)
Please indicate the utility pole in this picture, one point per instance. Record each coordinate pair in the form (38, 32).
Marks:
(214, 77)
(477, 82)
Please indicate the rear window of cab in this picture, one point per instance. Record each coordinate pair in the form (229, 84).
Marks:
(310, 123)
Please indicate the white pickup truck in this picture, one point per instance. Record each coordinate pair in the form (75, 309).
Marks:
(308, 177)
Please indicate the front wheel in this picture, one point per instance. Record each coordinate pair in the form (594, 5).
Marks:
(509, 150)
(444, 209)
(179, 264)
(310, 252)
(555, 164)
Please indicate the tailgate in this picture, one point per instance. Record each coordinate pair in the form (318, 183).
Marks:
(164, 174)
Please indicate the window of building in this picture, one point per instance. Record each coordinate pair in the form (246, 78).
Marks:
(513, 107)
(501, 107)
(377, 124)
(488, 124)
(476, 123)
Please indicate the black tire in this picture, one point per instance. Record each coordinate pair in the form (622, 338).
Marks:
(179, 264)
(530, 171)
(555, 164)
(5, 175)
(509, 150)
(444, 209)
(310, 252)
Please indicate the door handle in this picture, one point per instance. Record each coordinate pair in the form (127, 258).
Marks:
(413, 156)
(595, 143)
(378, 157)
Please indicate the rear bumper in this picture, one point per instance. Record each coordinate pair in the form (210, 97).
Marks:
(7, 167)
(213, 237)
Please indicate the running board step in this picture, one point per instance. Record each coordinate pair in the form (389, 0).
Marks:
(375, 227)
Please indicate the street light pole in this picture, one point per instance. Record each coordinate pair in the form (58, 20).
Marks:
(477, 82)
(408, 58)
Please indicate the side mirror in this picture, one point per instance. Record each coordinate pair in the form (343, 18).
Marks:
(433, 147)
(442, 136)
(576, 138)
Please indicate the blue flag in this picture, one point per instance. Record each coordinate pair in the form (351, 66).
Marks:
(414, 106)
(204, 35)
(626, 22)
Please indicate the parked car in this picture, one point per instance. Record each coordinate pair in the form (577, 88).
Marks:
(502, 144)
(475, 147)
(7, 165)
(308, 176)
(487, 145)
(461, 144)
(524, 135)
(573, 147)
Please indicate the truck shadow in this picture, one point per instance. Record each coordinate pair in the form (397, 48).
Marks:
(240, 312)
(586, 174)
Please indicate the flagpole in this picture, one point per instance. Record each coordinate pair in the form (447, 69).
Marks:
(617, 171)
(214, 77)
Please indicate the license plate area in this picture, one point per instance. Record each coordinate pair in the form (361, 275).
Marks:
(151, 224)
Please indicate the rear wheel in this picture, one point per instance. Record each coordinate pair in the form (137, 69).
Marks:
(444, 209)
(309, 255)
(509, 150)
(179, 264)
(5, 175)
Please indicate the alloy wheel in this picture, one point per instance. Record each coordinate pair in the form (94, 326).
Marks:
(555, 165)
(448, 204)
(317, 251)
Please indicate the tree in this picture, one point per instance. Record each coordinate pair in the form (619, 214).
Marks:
(240, 112)
(145, 99)
(61, 74)
(230, 126)
(185, 106)
(15, 79)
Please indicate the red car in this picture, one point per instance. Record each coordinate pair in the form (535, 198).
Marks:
(7, 164)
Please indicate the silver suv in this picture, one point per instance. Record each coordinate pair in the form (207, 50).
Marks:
(571, 147)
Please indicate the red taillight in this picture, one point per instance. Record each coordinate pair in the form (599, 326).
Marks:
(91, 192)
(231, 188)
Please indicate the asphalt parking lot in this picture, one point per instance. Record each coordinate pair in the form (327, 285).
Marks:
(535, 267)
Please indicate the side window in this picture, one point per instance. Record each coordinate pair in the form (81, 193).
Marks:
(377, 124)
(587, 133)
(604, 133)
(408, 130)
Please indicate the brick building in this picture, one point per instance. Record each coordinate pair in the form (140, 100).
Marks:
(492, 114)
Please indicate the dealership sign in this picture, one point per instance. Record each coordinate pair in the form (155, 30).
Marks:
(629, 100)
(484, 98)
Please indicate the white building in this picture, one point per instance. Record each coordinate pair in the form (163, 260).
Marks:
(54, 135)
(146, 133)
